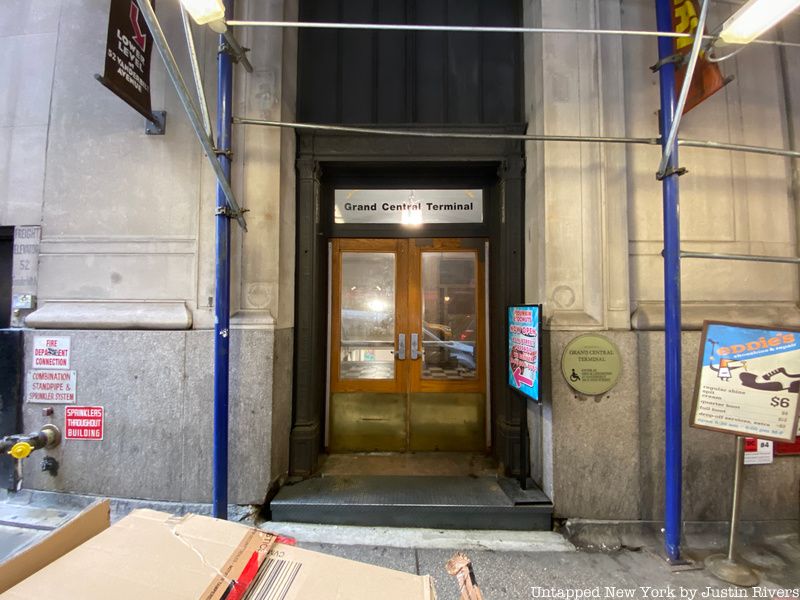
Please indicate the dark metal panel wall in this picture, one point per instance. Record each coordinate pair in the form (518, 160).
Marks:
(6, 268)
(10, 398)
(365, 77)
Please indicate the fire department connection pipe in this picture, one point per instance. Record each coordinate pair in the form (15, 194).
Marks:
(20, 445)
(672, 293)
(222, 298)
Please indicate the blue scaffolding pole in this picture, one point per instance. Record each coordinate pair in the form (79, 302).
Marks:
(672, 292)
(227, 208)
(222, 296)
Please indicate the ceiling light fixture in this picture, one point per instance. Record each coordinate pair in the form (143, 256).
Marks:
(211, 12)
(755, 18)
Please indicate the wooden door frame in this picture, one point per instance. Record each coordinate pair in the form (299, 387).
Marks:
(477, 385)
(399, 384)
(328, 159)
(408, 320)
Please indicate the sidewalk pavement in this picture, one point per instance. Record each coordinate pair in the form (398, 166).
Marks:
(594, 560)
(525, 565)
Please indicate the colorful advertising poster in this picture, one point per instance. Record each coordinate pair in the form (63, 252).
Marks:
(748, 381)
(523, 349)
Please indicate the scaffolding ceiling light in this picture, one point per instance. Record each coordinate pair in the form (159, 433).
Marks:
(212, 13)
(754, 19)
(206, 12)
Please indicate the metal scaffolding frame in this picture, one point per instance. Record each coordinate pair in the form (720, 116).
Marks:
(668, 173)
(525, 137)
(481, 29)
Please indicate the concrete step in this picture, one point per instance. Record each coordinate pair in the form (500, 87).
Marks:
(414, 501)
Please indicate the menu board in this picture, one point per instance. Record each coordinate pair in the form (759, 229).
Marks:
(748, 381)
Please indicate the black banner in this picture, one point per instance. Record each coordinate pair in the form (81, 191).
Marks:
(128, 50)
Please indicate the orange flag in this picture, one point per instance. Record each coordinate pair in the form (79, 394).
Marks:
(708, 78)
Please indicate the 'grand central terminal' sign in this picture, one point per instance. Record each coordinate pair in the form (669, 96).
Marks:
(408, 207)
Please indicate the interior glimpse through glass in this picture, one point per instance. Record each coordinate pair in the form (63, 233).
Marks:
(449, 310)
(368, 309)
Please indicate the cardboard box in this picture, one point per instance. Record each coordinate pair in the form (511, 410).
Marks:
(150, 554)
(55, 544)
(292, 573)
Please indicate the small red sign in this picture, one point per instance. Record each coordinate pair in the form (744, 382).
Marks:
(83, 423)
(788, 448)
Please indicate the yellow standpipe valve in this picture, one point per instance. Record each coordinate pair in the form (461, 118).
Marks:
(21, 450)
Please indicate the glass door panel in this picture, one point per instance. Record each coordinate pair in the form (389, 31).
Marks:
(447, 384)
(368, 401)
(367, 315)
(407, 336)
(449, 309)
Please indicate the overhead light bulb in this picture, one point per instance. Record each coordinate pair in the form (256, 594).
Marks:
(204, 12)
(755, 18)
(376, 305)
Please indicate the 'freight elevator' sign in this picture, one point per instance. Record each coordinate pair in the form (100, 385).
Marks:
(523, 349)
(748, 381)
(408, 207)
(128, 49)
(83, 423)
(51, 352)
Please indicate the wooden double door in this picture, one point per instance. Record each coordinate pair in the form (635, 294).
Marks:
(407, 345)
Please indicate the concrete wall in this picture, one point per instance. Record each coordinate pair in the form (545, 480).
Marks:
(730, 202)
(593, 244)
(128, 243)
(117, 206)
(27, 57)
(594, 226)
(608, 452)
(156, 389)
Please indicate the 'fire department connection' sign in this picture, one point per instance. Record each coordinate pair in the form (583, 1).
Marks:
(51, 353)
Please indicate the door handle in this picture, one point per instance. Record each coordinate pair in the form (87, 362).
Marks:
(414, 346)
(401, 346)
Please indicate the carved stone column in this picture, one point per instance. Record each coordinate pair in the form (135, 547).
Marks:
(576, 231)
(309, 379)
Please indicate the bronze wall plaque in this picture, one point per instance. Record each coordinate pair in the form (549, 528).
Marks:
(591, 364)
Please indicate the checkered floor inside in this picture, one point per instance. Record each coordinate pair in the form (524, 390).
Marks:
(385, 370)
(367, 370)
(449, 374)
